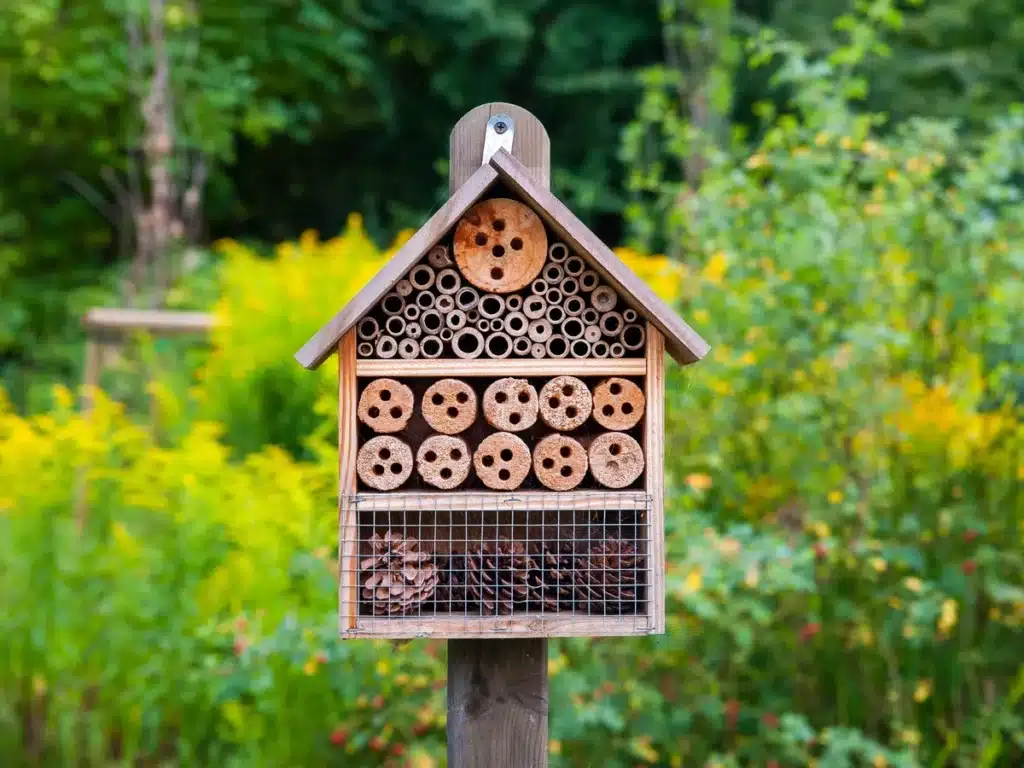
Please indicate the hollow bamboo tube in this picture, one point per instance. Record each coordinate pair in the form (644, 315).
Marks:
(580, 348)
(553, 274)
(413, 330)
(408, 349)
(425, 300)
(514, 303)
(617, 350)
(431, 347)
(483, 325)
(558, 252)
(448, 282)
(446, 334)
(604, 298)
(439, 257)
(554, 314)
(589, 280)
(387, 347)
(499, 345)
(444, 303)
(539, 287)
(591, 316)
(534, 307)
(574, 266)
(521, 346)
(611, 324)
(554, 296)
(365, 349)
(599, 349)
(368, 329)
(540, 330)
(472, 316)
(557, 346)
(592, 333)
(491, 305)
(629, 315)
(538, 351)
(569, 286)
(455, 319)
(633, 336)
(411, 312)
(516, 324)
(468, 343)
(395, 326)
(573, 328)
(392, 304)
(431, 321)
(467, 298)
(403, 288)
(422, 277)
(574, 306)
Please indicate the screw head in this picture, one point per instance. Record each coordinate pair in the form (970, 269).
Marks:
(500, 127)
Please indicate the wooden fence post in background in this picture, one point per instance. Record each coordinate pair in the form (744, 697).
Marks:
(498, 689)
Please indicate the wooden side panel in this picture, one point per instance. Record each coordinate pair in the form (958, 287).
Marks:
(530, 146)
(348, 528)
(654, 439)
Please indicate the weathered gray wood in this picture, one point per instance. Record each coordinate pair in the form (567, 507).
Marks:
(530, 146)
(683, 343)
(324, 343)
(497, 703)
(161, 321)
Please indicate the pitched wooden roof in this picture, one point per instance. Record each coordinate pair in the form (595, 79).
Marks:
(682, 342)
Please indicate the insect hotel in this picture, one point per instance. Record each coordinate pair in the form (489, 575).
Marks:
(501, 422)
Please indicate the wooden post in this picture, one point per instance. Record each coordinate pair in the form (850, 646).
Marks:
(498, 689)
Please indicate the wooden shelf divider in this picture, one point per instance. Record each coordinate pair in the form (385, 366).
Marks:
(454, 368)
(474, 501)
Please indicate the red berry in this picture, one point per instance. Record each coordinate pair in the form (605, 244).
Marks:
(320, 657)
(420, 728)
(398, 750)
(970, 535)
(770, 720)
(807, 631)
(969, 567)
(773, 764)
(820, 550)
(732, 713)
(339, 736)
(378, 702)
(239, 646)
(376, 744)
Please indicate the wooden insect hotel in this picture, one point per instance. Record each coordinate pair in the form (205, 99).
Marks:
(501, 417)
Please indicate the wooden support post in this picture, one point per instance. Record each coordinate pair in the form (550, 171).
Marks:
(498, 689)
(497, 703)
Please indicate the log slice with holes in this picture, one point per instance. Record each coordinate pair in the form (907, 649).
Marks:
(384, 463)
(443, 461)
(385, 406)
(618, 404)
(502, 461)
(449, 406)
(616, 459)
(511, 405)
(500, 245)
(565, 403)
(559, 462)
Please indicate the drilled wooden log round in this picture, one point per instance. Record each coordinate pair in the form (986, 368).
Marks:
(521, 346)
(616, 459)
(443, 461)
(498, 344)
(385, 406)
(368, 329)
(633, 336)
(431, 347)
(403, 288)
(540, 330)
(408, 349)
(421, 277)
(516, 324)
(384, 463)
(438, 257)
(392, 304)
(565, 403)
(502, 461)
(500, 245)
(618, 404)
(467, 343)
(449, 406)
(589, 280)
(604, 298)
(386, 347)
(559, 462)
(535, 306)
(514, 303)
(467, 298)
(448, 282)
(511, 405)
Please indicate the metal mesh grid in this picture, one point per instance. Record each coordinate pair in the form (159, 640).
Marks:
(478, 561)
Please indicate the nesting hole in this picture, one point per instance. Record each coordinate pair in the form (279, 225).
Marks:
(497, 273)
(524, 397)
(468, 343)
(456, 454)
(504, 474)
(627, 408)
(499, 225)
(571, 412)
(385, 395)
(608, 410)
(517, 243)
(462, 397)
(430, 457)
(566, 471)
(506, 454)
(615, 388)
(565, 451)
(500, 397)
(374, 412)
(393, 304)
(554, 402)
(487, 461)
(437, 399)
(396, 468)
(378, 469)
(548, 463)
(453, 412)
(445, 473)
(481, 238)
(448, 281)
(514, 418)
(384, 454)
(614, 449)
(568, 390)
(396, 412)
(498, 251)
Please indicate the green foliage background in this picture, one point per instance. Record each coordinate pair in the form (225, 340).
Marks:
(845, 569)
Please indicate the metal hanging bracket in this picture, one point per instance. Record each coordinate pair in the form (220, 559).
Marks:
(501, 130)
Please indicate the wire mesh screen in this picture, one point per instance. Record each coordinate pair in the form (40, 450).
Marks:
(483, 560)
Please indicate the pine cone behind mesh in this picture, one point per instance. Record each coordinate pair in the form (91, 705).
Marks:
(451, 594)
(397, 578)
(551, 582)
(606, 578)
(497, 577)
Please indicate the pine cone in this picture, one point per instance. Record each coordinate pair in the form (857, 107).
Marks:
(551, 582)
(606, 578)
(397, 578)
(498, 577)
(451, 595)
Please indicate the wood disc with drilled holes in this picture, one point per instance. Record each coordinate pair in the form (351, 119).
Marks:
(449, 406)
(616, 459)
(618, 404)
(559, 462)
(384, 463)
(500, 245)
(511, 405)
(502, 461)
(565, 403)
(385, 406)
(443, 461)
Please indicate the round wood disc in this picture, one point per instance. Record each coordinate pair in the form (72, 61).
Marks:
(500, 245)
